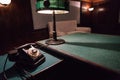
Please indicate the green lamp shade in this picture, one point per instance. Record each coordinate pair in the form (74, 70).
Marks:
(47, 6)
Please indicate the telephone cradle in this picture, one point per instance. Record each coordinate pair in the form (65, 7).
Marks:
(26, 56)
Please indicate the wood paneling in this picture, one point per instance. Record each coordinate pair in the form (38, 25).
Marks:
(15, 22)
(94, 1)
(103, 19)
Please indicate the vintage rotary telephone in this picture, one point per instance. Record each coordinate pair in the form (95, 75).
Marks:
(27, 56)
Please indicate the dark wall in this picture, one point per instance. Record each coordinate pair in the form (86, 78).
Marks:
(15, 22)
(106, 21)
(85, 15)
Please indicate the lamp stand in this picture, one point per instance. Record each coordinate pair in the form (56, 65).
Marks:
(54, 41)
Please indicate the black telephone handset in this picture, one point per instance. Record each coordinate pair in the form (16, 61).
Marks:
(27, 56)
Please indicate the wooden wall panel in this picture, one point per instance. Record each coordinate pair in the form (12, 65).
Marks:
(103, 19)
(15, 22)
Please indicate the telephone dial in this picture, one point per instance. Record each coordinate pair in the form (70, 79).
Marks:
(27, 56)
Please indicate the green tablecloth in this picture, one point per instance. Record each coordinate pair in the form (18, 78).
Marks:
(103, 50)
(12, 73)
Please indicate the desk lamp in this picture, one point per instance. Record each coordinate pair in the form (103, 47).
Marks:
(53, 7)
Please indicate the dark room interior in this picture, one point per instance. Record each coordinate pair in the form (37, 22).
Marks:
(21, 24)
(17, 27)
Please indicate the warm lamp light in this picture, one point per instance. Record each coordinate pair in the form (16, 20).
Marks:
(91, 9)
(53, 7)
(5, 2)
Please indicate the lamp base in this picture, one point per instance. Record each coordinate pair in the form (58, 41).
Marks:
(55, 42)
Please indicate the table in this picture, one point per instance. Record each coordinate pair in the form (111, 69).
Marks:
(96, 49)
(12, 73)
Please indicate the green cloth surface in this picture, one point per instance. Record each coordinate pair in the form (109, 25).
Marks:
(103, 50)
(13, 75)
